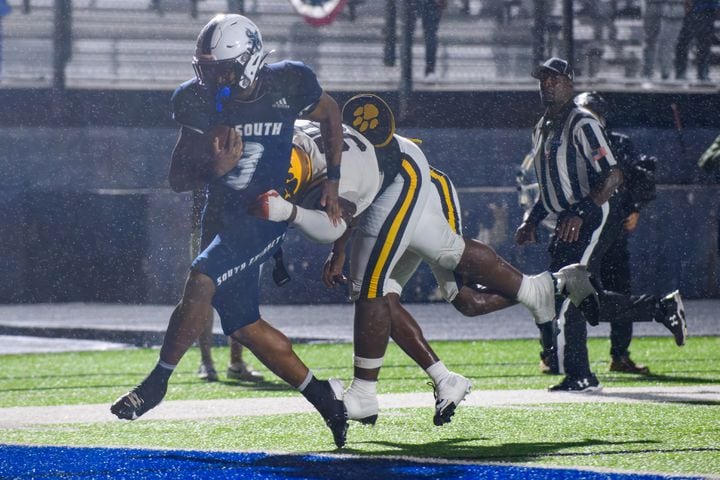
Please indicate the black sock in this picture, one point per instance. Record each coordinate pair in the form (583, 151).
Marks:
(158, 376)
(314, 391)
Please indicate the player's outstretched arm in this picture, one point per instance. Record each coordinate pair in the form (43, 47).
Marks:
(313, 224)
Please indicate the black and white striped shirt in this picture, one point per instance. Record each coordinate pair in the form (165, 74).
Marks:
(572, 156)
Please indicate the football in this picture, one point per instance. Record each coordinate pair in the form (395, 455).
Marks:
(221, 132)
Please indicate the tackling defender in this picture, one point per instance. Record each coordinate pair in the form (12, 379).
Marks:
(386, 232)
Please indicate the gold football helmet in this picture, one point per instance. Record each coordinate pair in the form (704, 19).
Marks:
(371, 116)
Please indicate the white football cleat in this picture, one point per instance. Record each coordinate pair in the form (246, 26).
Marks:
(449, 392)
(574, 283)
(361, 407)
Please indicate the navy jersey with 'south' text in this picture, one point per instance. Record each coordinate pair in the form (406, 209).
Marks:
(285, 91)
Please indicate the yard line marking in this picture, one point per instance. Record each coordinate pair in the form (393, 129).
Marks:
(14, 417)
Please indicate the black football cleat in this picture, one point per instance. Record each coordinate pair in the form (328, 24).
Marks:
(674, 316)
(139, 400)
(332, 409)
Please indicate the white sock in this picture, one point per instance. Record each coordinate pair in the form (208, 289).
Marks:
(437, 371)
(537, 293)
(363, 387)
(305, 382)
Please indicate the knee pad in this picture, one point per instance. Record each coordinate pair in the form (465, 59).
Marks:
(450, 257)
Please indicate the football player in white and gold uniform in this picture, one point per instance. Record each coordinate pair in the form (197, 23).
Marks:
(403, 222)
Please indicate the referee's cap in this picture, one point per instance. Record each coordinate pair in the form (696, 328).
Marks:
(556, 66)
(371, 116)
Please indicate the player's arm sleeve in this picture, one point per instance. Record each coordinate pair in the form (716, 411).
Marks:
(190, 109)
(316, 225)
(594, 146)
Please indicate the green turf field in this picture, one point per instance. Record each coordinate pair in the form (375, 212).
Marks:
(671, 438)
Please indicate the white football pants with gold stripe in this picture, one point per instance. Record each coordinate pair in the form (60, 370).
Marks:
(388, 225)
(437, 240)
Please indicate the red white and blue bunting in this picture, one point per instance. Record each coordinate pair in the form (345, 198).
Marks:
(318, 12)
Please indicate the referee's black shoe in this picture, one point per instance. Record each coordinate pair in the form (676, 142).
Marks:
(587, 384)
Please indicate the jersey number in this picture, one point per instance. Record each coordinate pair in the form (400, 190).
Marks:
(239, 177)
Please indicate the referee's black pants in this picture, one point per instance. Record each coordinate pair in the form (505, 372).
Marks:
(615, 276)
(597, 234)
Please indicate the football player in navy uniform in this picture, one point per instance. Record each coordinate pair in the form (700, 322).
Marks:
(236, 120)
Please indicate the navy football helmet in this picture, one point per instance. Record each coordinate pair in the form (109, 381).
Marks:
(594, 102)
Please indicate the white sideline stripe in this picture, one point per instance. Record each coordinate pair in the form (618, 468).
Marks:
(199, 409)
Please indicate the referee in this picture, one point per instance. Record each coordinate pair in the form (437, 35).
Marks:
(577, 177)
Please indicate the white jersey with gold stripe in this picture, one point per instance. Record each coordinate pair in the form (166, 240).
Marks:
(360, 177)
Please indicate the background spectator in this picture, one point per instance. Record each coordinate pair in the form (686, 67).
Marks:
(698, 23)
(661, 23)
(4, 10)
(430, 11)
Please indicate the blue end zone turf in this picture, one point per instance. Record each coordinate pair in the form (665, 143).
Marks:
(23, 462)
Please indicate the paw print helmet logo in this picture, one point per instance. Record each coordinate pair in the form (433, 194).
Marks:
(371, 116)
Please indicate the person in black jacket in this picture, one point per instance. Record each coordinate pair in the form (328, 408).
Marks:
(637, 190)
(578, 177)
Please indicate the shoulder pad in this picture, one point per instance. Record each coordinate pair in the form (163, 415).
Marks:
(294, 80)
(191, 106)
(286, 67)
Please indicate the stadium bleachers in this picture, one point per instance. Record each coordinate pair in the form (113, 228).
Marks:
(127, 44)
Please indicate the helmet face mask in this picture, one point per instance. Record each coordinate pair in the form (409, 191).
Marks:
(229, 53)
(215, 75)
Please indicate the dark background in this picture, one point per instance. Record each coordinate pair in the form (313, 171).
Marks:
(86, 214)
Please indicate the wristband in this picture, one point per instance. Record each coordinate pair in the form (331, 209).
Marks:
(536, 216)
(333, 172)
(584, 207)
